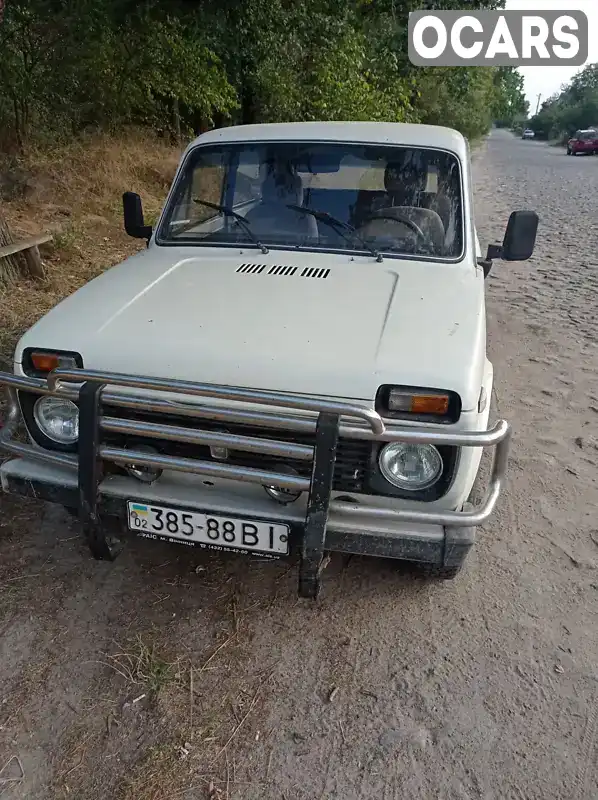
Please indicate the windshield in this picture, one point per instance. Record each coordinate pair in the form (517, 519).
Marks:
(338, 197)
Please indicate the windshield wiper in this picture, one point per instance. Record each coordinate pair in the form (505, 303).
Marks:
(228, 212)
(340, 226)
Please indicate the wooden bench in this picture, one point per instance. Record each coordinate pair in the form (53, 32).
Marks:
(29, 248)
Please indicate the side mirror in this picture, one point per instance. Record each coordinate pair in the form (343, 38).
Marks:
(133, 214)
(520, 236)
(519, 240)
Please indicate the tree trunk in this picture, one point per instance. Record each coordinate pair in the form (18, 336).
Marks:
(176, 115)
(10, 266)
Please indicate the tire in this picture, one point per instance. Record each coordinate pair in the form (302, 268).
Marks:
(434, 572)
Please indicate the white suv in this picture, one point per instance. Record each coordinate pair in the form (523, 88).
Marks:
(296, 363)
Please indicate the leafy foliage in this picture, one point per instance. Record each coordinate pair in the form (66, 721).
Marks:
(510, 103)
(185, 65)
(575, 107)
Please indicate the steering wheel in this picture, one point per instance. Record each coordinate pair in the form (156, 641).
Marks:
(402, 219)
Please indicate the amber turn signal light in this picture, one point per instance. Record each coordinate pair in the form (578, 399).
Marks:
(407, 402)
(429, 404)
(418, 402)
(46, 362)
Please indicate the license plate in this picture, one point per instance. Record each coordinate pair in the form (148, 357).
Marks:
(208, 530)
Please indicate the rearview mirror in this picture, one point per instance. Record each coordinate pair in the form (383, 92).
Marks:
(133, 214)
(520, 236)
(518, 243)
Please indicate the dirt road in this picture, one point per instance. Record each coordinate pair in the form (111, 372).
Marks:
(486, 687)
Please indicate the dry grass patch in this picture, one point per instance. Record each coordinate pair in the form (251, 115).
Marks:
(87, 178)
(177, 730)
(140, 665)
(161, 775)
(14, 698)
(74, 192)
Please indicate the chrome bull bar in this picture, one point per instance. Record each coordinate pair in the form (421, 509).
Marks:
(328, 419)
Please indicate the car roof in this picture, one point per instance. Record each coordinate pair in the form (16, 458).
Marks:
(394, 133)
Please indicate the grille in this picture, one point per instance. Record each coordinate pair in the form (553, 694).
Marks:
(352, 457)
(355, 465)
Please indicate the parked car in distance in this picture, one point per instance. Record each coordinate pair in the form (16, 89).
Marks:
(297, 363)
(585, 141)
(528, 134)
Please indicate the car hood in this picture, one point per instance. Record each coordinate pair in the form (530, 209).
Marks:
(305, 323)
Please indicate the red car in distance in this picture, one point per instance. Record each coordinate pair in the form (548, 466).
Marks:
(583, 142)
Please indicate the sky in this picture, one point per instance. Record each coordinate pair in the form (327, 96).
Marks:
(548, 80)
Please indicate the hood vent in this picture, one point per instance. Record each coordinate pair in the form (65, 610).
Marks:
(278, 270)
(314, 272)
(252, 269)
(283, 271)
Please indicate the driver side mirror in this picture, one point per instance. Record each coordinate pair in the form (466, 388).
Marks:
(133, 215)
(519, 240)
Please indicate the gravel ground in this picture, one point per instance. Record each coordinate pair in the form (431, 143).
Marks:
(485, 687)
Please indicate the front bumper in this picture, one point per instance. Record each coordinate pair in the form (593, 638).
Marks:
(321, 520)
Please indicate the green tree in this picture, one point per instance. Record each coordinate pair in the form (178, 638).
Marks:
(574, 107)
(510, 102)
(185, 65)
(68, 65)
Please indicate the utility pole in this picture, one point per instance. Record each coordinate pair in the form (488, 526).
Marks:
(538, 103)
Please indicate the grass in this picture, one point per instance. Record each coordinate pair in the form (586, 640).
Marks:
(163, 712)
(157, 776)
(74, 192)
(179, 732)
(66, 239)
(142, 667)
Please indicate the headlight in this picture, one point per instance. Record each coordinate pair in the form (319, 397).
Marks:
(410, 466)
(58, 419)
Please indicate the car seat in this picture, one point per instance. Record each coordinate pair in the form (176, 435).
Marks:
(405, 183)
(281, 187)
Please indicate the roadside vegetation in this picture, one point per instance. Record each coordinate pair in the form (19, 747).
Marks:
(181, 66)
(574, 107)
